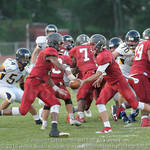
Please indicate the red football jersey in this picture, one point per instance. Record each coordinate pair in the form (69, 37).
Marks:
(63, 59)
(141, 65)
(84, 58)
(42, 67)
(113, 72)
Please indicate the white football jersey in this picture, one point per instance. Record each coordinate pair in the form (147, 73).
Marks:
(124, 60)
(11, 73)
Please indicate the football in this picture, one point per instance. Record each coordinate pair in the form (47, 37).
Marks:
(74, 84)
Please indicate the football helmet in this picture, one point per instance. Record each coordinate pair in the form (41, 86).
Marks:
(114, 43)
(41, 42)
(99, 41)
(23, 56)
(54, 40)
(82, 39)
(146, 34)
(51, 28)
(68, 42)
(132, 38)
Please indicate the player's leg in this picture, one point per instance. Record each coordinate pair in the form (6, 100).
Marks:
(142, 90)
(47, 95)
(145, 122)
(26, 101)
(68, 105)
(19, 93)
(6, 94)
(45, 115)
(81, 99)
(106, 94)
(130, 97)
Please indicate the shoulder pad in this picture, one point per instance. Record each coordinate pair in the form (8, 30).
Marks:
(10, 64)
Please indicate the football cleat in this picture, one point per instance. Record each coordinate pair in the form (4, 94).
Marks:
(68, 119)
(145, 122)
(57, 133)
(132, 116)
(38, 122)
(44, 126)
(105, 130)
(64, 134)
(82, 120)
(114, 112)
(75, 122)
(54, 132)
(88, 113)
(125, 119)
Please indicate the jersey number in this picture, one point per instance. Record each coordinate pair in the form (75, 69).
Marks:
(84, 50)
(11, 78)
(57, 71)
(138, 52)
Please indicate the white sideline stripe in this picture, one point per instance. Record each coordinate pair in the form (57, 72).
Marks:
(135, 128)
(84, 145)
(127, 135)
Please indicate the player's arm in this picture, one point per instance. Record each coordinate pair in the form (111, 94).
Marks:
(67, 69)
(55, 87)
(116, 54)
(100, 71)
(35, 54)
(148, 53)
(2, 68)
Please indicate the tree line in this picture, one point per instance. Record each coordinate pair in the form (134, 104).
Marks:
(108, 17)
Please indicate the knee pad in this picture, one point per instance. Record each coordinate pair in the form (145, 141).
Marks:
(15, 111)
(46, 107)
(101, 108)
(68, 101)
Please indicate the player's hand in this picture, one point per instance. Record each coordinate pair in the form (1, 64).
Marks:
(97, 83)
(62, 92)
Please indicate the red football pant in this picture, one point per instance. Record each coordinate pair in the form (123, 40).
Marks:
(142, 88)
(34, 88)
(123, 88)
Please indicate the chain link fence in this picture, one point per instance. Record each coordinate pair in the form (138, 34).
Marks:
(9, 48)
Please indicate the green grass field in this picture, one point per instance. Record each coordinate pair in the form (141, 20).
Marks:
(20, 132)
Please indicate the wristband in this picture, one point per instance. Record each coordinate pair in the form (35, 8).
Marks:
(71, 77)
(68, 69)
(55, 88)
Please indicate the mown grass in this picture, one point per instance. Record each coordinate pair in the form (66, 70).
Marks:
(19, 132)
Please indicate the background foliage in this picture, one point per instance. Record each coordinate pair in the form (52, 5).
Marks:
(108, 17)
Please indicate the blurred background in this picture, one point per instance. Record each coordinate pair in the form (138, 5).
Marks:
(21, 21)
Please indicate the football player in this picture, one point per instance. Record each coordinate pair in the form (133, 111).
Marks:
(83, 59)
(113, 44)
(68, 44)
(115, 81)
(39, 83)
(41, 41)
(125, 53)
(13, 71)
(141, 71)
